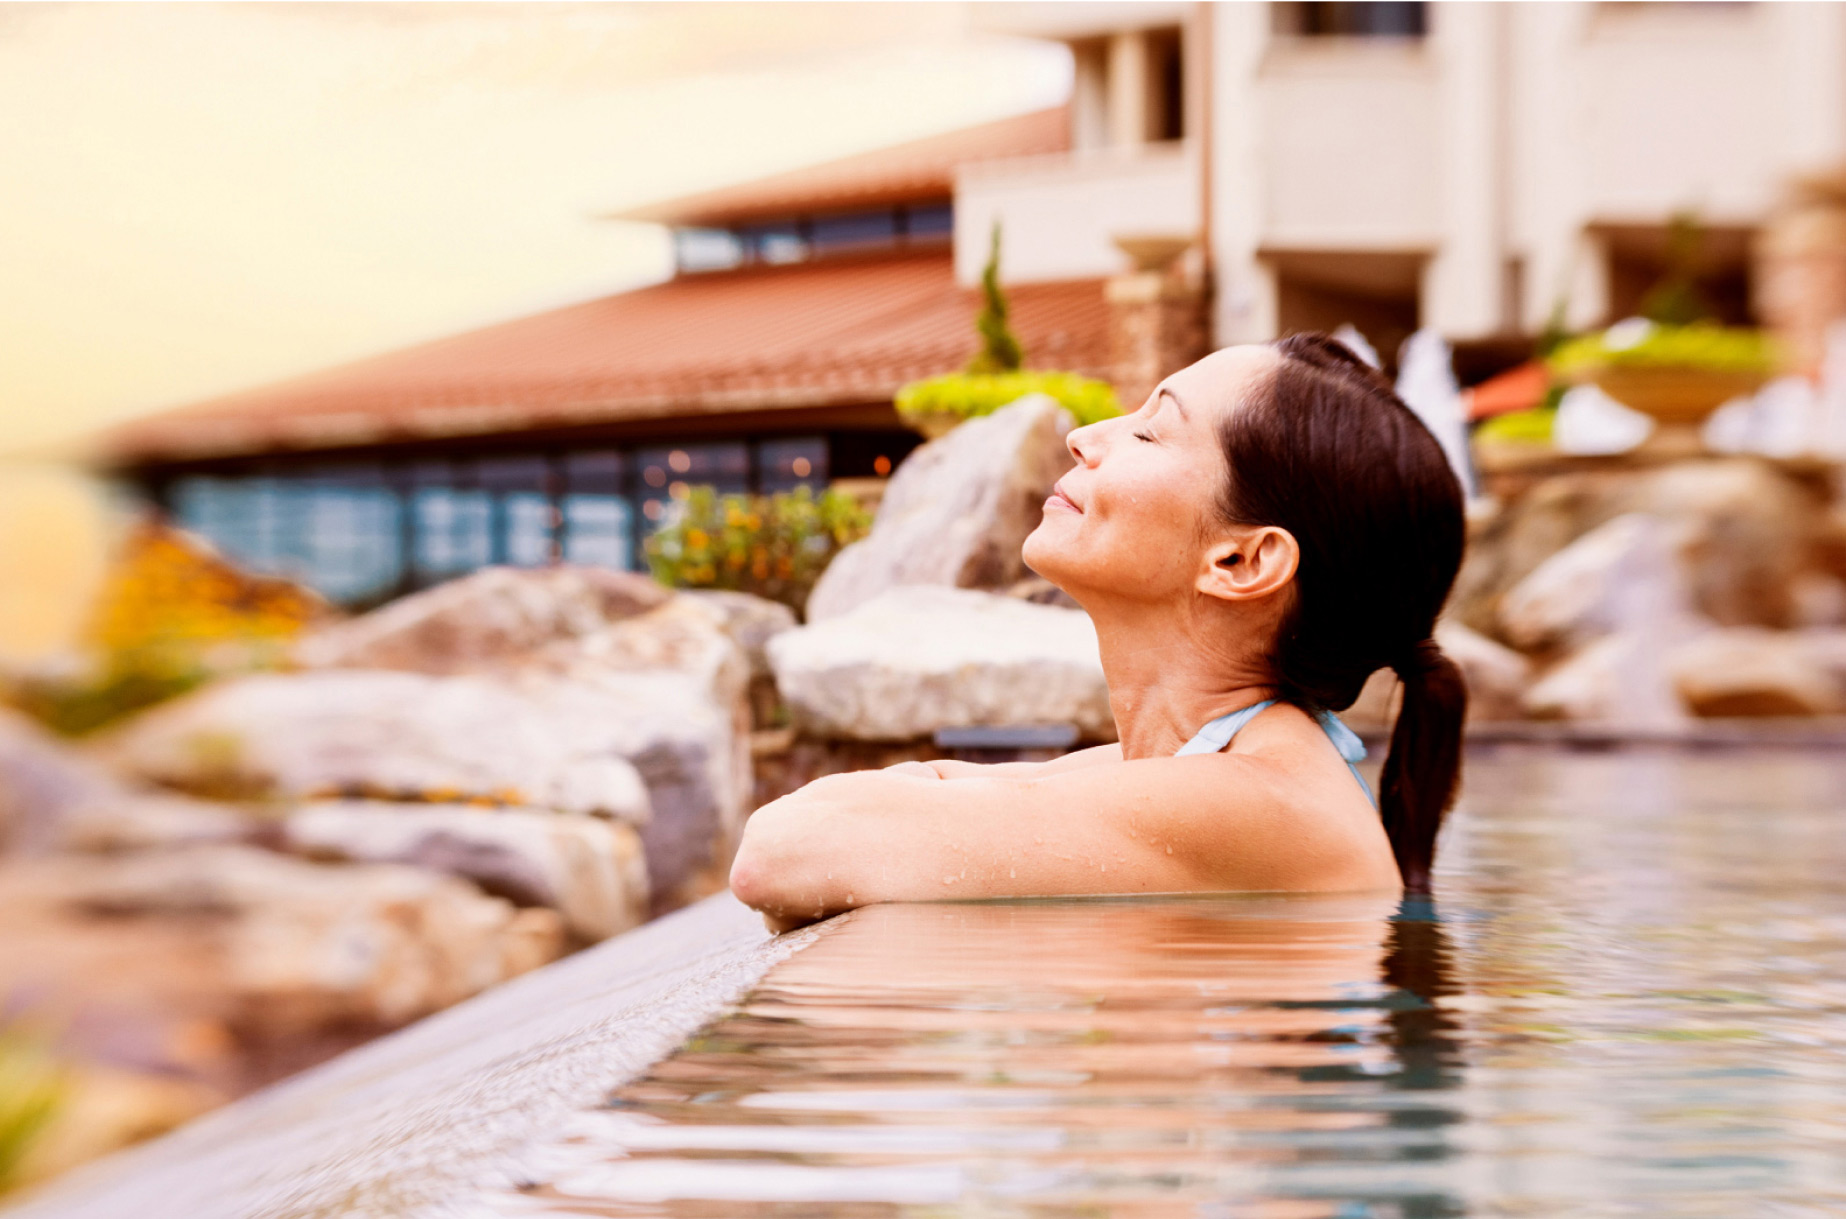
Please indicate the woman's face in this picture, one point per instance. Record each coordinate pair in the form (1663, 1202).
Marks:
(1136, 514)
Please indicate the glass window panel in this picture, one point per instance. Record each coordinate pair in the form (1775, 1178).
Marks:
(596, 530)
(526, 518)
(930, 220)
(453, 531)
(512, 474)
(597, 472)
(706, 249)
(791, 462)
(777, 243)
(352, 534)
(855, 229)
(668, 473)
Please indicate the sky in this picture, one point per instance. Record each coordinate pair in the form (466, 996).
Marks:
(200, 198)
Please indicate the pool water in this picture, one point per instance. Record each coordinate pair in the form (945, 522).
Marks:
(1628, 998)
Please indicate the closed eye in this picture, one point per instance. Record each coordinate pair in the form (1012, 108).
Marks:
(1144, 436)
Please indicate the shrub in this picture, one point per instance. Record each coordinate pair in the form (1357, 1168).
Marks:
(171, 615)
(33, 1085)
(775, 546)
(1635, 344)
(967, 395)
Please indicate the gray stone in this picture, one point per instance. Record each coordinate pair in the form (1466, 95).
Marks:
(1618, 681)
(1753, 671)
(399, 735)
(482, 621)
(41, 780)
(311, 945)
(589, 870)
(921, 658)
(1497, 676)
(1623, 575)
(750, 621)
(957, 511)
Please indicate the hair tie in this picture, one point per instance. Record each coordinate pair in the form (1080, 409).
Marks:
(1419, 659)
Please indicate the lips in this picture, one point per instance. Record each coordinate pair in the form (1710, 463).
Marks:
(1061, 500)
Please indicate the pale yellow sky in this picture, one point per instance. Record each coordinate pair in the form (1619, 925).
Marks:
(202, 197)
(199, 198)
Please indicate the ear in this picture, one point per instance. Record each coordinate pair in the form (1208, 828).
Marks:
(1250, 565)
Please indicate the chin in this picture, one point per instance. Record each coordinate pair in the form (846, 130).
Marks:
(1046, 556)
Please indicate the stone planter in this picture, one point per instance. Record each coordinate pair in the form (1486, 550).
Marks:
(934, 425)
(1673, 396)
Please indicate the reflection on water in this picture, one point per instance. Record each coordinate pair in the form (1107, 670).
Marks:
(1630, 1000)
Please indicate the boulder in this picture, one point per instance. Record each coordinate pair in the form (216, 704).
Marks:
(1745, 529)
(308, 946)
(482, 621)
(1753, 671)
(590, 871)
(750, 621)
(150, 821)
(916, 659)
(1497, 676)
(42, 780)
(399, 735)
(1623, 575)
(957, 511)
(1617, 681)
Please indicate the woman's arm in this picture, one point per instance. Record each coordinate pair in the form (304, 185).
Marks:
(1213, 822)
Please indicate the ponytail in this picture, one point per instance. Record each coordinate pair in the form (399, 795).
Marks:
(1332, 455)
(1424, 763)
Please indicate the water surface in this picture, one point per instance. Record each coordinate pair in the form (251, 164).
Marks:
(1629, 998)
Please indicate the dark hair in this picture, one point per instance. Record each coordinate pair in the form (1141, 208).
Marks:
(1332, 455)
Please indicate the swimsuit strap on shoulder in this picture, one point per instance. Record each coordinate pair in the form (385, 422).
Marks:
(1217, 734)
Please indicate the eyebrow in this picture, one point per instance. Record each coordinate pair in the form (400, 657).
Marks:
(1183, 414)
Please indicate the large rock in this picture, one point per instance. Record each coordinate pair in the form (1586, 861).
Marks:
(749, 620)
(1752, 671)
(957, 511)
(589, 871)
(921, 658)
(1745, 528)
(1622, 575)
(483, 621)
(1616, 681)
(308, 946)
(366, 733)
(41, 781)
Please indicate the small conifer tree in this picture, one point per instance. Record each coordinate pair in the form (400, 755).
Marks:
(1000, 350)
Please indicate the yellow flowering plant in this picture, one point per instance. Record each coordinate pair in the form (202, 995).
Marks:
(774, 546)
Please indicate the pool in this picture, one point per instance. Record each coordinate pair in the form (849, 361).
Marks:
(1628, 998)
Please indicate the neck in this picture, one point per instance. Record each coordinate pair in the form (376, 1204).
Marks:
(1170, 673)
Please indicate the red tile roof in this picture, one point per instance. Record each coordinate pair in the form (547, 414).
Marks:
(904, 173)
(834, 332)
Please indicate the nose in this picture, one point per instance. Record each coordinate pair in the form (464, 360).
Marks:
(1083, 444)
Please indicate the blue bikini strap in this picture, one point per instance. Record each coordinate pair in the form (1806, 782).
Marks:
(1217, 734)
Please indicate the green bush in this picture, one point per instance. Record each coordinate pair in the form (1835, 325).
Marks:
(967, 395)
(1520, 427)
(775, 546)
(1701, 345)
(33, 1085)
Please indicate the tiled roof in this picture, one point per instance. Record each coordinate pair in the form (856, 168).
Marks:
(920, 170)
(834, 332)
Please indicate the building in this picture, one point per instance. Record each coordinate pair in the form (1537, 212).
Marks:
(1467, 166)
(1221, 173)
(769, 361)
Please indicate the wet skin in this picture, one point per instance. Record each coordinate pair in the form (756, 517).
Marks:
(1185, 607)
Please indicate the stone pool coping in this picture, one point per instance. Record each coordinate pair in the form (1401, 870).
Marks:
(419, 1117)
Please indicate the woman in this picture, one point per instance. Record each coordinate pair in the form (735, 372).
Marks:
(1270, 528)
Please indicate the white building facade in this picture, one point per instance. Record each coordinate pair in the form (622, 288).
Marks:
(1467, 166)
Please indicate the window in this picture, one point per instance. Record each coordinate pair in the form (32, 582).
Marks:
(450, 520)
(783, 465)
(668, 474)
(776, 244)
(598, 523)
(1382, 19)
(855, 229)
(522, 525)
(929, 221)
(706, 249)
(351, 534)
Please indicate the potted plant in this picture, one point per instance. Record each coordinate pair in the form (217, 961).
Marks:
(995, 376)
